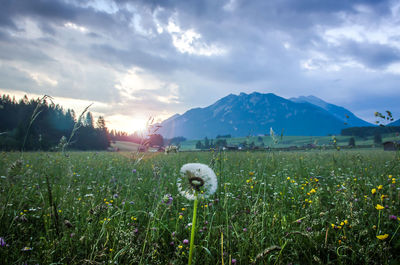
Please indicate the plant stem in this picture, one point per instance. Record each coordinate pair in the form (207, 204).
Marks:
(193, 229)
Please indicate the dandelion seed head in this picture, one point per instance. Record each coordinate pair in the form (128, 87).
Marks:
(196, 177)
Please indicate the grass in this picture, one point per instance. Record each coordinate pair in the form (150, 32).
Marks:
(311, 207)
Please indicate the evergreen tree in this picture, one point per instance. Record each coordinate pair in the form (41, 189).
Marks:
(377, 139)
(199, 145)
(352, 142)
(206, 143)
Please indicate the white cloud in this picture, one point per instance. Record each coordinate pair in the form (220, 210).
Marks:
(74, 26)
(135, 80)
(43, 79)
(189, 41)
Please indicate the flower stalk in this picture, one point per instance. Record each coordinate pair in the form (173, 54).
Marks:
(192, 234)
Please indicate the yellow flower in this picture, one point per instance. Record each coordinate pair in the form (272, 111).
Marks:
(379, 207)
(251, 187)
(313, 191)
(380, 187)
(342, 223)
(390, 176)
(373, 191)
(288, 178)
(333, 225)
(111, 250)
(180, 216)
(382, 237)
(180, 246)
(346, 222)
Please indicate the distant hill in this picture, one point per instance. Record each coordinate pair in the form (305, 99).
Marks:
(340, 113)
(255, 113)
(395, 123)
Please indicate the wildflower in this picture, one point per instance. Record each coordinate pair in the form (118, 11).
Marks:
(196, 178)
(111, 250)
(380, 187)
(379, 207)
(373, 191)
(133, 171)
(245, 229)
(392, 217)
(233, 261)
(185, 241)
(26, 249)
(382, 237)
(180, 246)
(346, 222)
(180, 217)
(313, 191)
(2, 242)
(167, 199)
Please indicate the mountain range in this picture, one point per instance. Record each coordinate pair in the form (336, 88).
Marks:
(255, 113)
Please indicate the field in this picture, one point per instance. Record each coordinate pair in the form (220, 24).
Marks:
(314, 207)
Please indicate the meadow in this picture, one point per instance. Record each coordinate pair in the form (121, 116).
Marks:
(311, 207)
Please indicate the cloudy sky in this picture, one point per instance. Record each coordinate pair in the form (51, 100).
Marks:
(136, 59)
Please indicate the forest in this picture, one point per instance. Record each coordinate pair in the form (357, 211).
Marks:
(40, 124)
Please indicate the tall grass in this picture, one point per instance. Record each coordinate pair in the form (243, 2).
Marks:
(271, 208)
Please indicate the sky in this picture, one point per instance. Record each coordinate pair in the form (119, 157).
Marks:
(148, 58)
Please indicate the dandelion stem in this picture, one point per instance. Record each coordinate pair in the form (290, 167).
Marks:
(379, 222)
(193, 229)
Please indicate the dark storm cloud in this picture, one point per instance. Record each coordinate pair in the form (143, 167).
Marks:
(373, 55)
(276, 46)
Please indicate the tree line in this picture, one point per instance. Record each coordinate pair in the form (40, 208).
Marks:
(39, 124)
(369, 131)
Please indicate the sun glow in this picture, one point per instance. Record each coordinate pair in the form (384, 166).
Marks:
(127, 124)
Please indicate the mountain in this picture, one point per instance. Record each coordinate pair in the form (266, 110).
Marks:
(255, 114)
(395, 123)
(340, 113)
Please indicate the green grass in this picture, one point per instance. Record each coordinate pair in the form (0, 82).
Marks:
(265, 208)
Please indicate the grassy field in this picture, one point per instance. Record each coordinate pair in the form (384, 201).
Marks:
(299, 141)
(315, 207)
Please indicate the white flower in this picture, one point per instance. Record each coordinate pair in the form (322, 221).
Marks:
(196, 177)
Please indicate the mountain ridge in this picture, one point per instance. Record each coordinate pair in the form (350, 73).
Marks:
(255, 113)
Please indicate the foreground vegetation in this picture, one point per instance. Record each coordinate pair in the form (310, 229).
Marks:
(317, 207)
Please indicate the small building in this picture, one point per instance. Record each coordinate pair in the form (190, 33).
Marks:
(231, 147)
(391, 145)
